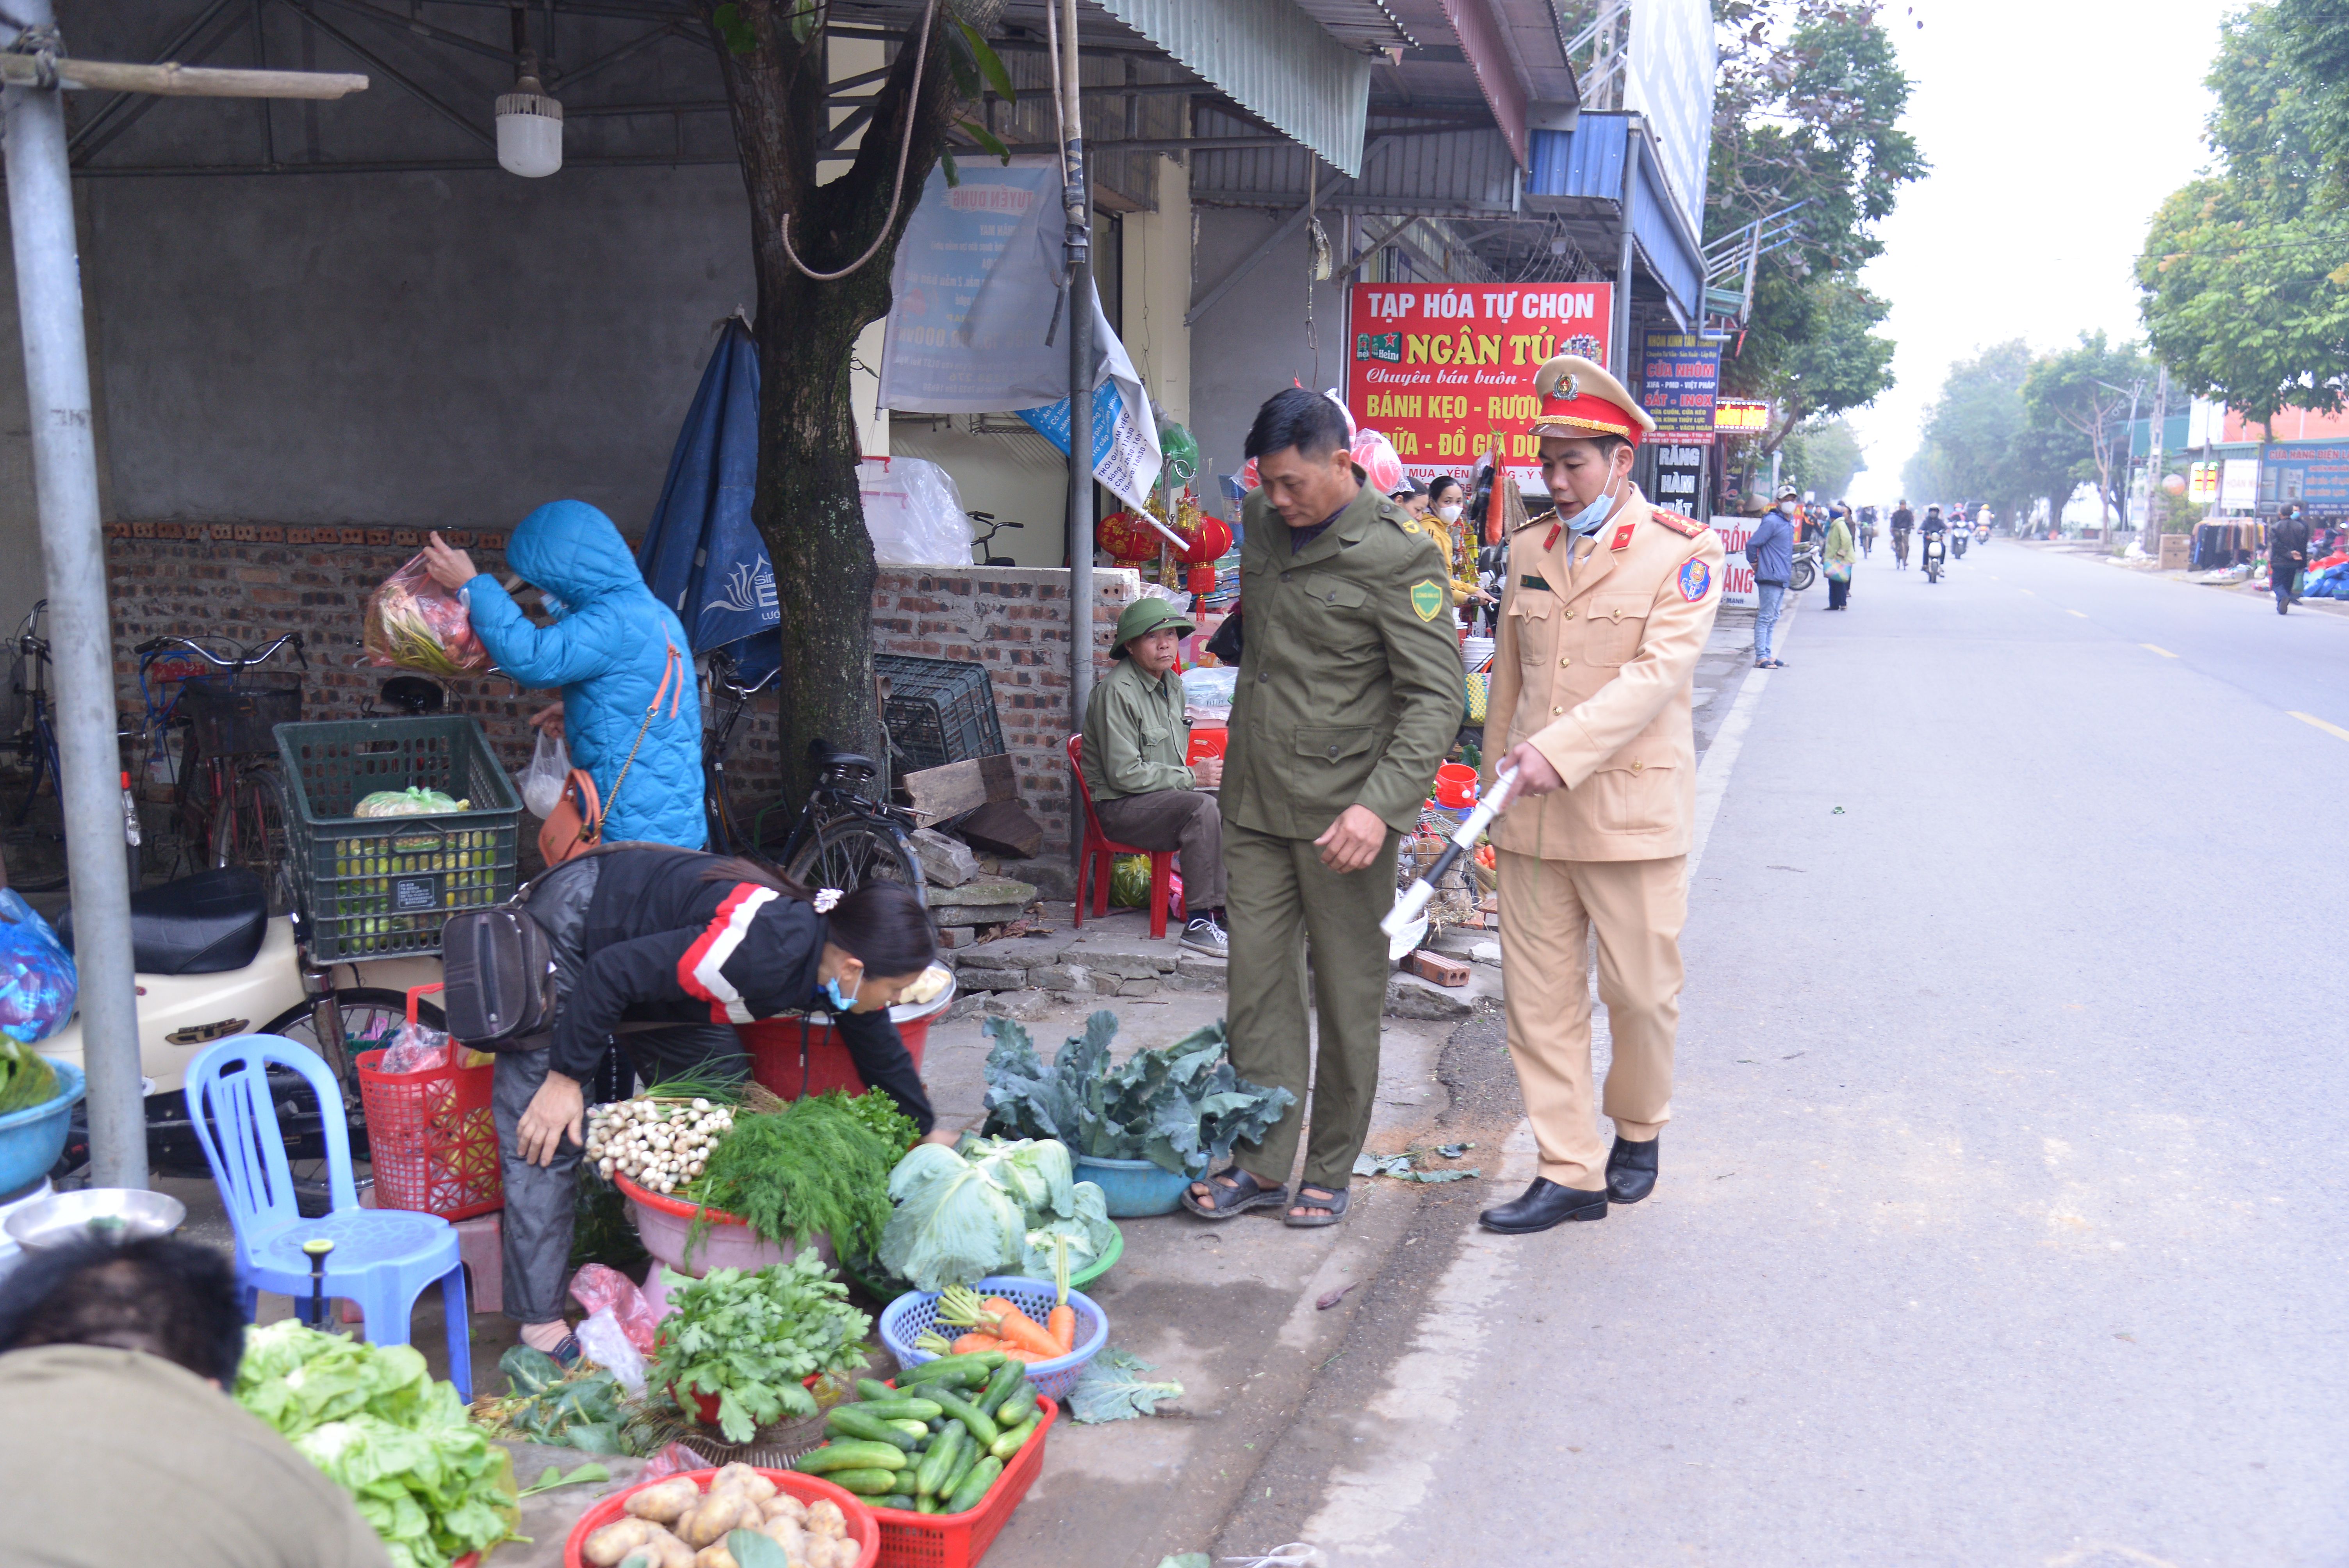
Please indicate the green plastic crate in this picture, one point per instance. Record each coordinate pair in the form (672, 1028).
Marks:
(382, 887)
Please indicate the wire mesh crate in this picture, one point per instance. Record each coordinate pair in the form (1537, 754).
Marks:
(382, 887)
(938, 711)
(240, 717)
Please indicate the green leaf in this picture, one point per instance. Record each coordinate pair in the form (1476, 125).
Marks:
(990, 65)
(734, 30)
(529, 1371)
(962, 66)
(1111, 1389)
(553, 1476)
(806, 19)
(986, 139)
(753, 1550)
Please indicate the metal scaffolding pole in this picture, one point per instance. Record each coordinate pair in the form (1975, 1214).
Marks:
(1078, 204)
(65, 484)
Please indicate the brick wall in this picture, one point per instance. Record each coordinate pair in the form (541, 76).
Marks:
(249, 583)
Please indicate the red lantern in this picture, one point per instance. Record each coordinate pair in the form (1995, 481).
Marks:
(1128, 538)
(1201, 580)
(1210, 543)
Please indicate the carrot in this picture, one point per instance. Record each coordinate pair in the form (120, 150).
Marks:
(1062, 1322)
(1020, 1330)
(976, 1341)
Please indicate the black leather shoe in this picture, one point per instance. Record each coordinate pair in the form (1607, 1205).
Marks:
(1632, 1170)
(1544, 1204)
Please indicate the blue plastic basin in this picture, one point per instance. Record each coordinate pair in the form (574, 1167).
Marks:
(32, 1139)
(1134, 1188)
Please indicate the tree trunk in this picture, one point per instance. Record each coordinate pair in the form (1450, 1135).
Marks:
(807, 507)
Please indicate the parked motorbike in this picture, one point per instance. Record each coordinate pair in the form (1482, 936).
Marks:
(1805, 570)
(1934, 552)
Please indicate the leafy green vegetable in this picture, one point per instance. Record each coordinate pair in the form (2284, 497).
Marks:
(877, 1109)
(990, 1208)
(816, 1166)
(1111, 1389)
(554, 1478)
(1181, 1106)
(375, 1421)
(26, 1079)
(747, 1340)
(579, 1407)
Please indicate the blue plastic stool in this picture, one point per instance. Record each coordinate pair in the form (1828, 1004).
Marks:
(383, 1258)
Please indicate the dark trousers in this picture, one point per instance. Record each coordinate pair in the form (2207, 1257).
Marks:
(1186, 819)
(2285, 577)
(1839, 591)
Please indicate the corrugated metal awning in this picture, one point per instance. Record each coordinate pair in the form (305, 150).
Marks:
(1273, 59)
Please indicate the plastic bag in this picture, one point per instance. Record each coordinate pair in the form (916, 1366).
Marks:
(598, 1287)
(37, 979)
(414, 623)
(415, 1048)
(913, 513)
(1377, 456)
(541, 784)
(410, 802)
(674, 1460)
(607, 1344)
(1129, 884)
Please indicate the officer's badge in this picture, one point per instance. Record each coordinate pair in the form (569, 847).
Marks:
(1427, 598)
(1409, 526)
(1696, 577)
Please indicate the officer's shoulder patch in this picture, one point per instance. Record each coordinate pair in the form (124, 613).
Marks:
(1695, 579)
(1687, 527)
(1427, 598)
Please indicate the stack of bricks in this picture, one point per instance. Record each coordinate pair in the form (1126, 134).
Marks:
(1014, 621)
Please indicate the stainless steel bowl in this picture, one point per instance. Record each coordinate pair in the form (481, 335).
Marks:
(97, 1213)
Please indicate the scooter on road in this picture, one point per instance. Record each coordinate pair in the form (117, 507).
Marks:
(1933, 554)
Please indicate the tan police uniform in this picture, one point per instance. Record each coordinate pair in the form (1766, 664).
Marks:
(1598, 642)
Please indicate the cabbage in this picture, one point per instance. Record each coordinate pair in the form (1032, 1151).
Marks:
(954, 1223)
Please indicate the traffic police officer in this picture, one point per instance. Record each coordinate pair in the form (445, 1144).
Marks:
(1348, 696)
(1607, 605)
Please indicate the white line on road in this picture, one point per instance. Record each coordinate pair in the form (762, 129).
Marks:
(2303, 718)
(2075, 613)
(1713, 773)
(2164, 653)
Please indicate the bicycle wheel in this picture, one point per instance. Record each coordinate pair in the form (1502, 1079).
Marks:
(372, 1017)
(853, 850)
(249, 830)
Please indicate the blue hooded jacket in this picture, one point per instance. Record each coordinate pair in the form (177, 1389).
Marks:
(607, 650)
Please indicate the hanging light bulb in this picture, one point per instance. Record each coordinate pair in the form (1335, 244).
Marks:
(530, 127)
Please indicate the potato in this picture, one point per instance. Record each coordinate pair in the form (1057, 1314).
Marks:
(708, 1522)
(784, 1505)
(606, 1546)
(716, 1556)
(833, 1552)
(664, 1503)
(824, 1518)
(741, 1478)
(786, 1534)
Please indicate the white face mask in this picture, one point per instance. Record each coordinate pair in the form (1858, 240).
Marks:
(1449, 512)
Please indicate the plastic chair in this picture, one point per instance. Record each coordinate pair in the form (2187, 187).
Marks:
(383, 1258)
(1097, 858)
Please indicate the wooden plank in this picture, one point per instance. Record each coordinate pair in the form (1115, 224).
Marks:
(959, 787)
(1003, 828)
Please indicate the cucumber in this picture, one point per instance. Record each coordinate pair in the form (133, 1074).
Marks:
(865, 1482)
(973, 1490)
(965, 1457)
(880, 1393)
(896, 1407)
(1013, 1439)
(925, 1505)
(955, 1371)
(932, 1472)
(1016, 1409)
(1008, 1377)
(848, 1421)
(896, 1499)
(854, 1455)
(979, 1423)
(914, 1429)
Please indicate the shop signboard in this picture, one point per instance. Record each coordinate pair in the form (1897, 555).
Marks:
(1680, 376)
(1680, 473)
(2202, 483)
(1439, 368)
(2315, 474)
(2239, 484)
(1740, 416)
(1669, 77)
(1736, 571)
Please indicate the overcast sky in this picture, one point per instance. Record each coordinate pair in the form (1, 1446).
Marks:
(2054, 128)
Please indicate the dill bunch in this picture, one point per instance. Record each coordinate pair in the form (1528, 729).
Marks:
(814, 1166)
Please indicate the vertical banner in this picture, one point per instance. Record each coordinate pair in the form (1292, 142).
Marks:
(1680, 377)
(1438, 368)
(1680, 473)
(2239, 484)
(1736, 571)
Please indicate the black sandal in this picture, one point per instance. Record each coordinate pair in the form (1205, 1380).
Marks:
(1339, 1197)
(1234, 1192)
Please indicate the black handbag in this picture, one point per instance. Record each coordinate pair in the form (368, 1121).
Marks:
(497, 973)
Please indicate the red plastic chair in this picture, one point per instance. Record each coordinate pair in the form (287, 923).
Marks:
(1096, 859)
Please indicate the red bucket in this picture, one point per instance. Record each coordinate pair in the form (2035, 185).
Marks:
(1205, 741)
(799, 1056)
(1455, 785)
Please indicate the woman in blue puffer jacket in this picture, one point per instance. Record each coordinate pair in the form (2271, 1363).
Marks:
(608, 650)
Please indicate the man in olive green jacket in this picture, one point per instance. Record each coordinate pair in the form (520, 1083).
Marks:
(1349, 694)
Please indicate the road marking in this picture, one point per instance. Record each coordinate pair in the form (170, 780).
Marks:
(1713, 773)
(2028, 591)
(2164, 653)
(2075, 613)
(2332, 730)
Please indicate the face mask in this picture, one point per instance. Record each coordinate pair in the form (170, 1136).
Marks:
(1589, 518)
(1449, 512)
(840, 1004)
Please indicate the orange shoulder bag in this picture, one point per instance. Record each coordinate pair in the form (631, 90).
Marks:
(576, 823)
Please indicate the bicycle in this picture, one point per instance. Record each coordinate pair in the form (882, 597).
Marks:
(843, 840)
(232, 800)
(33, 733)
(728, 699)
(980, 555)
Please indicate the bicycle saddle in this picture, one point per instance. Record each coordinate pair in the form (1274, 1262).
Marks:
(200, 924)
(848, 761)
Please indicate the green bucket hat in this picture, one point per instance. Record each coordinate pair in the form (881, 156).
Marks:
(1146, 615)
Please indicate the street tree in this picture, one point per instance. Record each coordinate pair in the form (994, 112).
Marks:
(1823, 456)
(2313, 46)
(821, 251)
(1967, 448)
(2090, 390)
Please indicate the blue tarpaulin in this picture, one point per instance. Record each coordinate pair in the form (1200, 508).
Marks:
(701, 555)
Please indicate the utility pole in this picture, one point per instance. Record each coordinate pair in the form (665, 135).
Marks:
(1078, 203)
(65, 487)
(2151, 534)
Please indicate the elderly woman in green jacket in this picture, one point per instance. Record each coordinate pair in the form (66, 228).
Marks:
(1842, 551)
(1135, 738)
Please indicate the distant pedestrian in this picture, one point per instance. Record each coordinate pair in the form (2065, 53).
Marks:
(2287, 556)
(1771, 550)
(1842, 553)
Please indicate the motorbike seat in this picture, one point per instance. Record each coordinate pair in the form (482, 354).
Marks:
(847, 762)
(200, 924)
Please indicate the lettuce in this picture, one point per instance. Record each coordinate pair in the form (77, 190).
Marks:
(374, 1421)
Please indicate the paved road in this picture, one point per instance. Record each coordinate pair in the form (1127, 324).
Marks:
(2001, 1215)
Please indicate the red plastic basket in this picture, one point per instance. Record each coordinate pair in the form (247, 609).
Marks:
(960, 1540)
(774, 1045)
(431, 1136)
(861, 1526)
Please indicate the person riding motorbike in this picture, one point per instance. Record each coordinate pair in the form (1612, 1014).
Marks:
(1933, 532)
